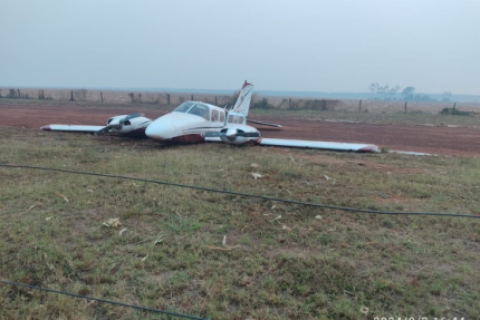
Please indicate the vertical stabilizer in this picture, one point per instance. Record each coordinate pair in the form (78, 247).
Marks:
(243, 102)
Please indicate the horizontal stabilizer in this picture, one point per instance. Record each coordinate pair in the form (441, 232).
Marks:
(336, 146)
(72, 128)
(265, 124)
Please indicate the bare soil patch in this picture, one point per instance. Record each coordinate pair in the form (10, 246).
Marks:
(437, 140)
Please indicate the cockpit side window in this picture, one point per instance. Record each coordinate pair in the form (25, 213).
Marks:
(201, 111)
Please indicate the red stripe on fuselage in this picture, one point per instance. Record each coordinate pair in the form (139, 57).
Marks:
(189, 138)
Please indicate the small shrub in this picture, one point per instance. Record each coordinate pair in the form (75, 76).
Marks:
(454, 112)
(384, 149)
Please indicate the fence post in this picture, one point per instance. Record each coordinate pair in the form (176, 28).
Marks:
(168, 98)
(192, 97)
(360, 106)
(453, 109)
(101, 96)
(405, 106)
(216, 101)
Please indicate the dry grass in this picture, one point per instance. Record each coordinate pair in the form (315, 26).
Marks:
(279, 261)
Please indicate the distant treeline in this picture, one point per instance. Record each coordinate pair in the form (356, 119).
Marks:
(377, 92)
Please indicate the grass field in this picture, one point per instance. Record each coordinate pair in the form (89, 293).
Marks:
(230, 257)
(373, 111)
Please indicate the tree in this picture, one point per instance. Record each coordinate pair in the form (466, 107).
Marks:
(393, 92)
(383, 92)
(408, 93)
(446, 95)
(374, 87)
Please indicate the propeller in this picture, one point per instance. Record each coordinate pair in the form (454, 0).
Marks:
(130, 116)
(121, 123)
(104, 130)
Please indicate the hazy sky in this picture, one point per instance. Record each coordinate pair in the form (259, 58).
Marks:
(302, 45)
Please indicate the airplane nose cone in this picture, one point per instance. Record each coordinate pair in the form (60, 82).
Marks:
(153, 131)
(161, 129)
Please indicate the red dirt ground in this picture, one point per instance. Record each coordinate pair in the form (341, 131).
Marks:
(436, 140)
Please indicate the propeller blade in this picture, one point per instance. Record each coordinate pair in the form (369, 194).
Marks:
(102, 131)
(130, 116)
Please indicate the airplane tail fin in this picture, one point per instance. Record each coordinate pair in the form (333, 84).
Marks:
(243, 102)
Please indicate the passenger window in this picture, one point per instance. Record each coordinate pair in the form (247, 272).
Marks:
(215, 116)
(222, 116)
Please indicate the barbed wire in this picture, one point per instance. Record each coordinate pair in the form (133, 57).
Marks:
(79, 296)
(243, 194)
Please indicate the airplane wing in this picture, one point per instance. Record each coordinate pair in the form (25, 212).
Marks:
(72, 128)
(336, 146)
(265, 124)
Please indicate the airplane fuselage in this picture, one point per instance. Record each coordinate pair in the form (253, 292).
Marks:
(187, 123)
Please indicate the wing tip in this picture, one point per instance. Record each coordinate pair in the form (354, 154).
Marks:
(370, 148)
(46, 128)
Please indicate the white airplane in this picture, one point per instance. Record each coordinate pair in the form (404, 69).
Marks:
(195, 121)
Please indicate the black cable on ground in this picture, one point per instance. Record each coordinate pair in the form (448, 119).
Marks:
(172, 314)
(317, 205)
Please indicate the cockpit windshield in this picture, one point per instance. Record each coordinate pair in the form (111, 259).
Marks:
(184, 107)
(194, 108)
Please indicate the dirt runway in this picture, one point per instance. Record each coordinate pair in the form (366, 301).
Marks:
(437, 140)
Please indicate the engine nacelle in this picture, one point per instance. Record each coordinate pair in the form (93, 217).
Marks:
(115, 121)
(239, 134)
(135, 125)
